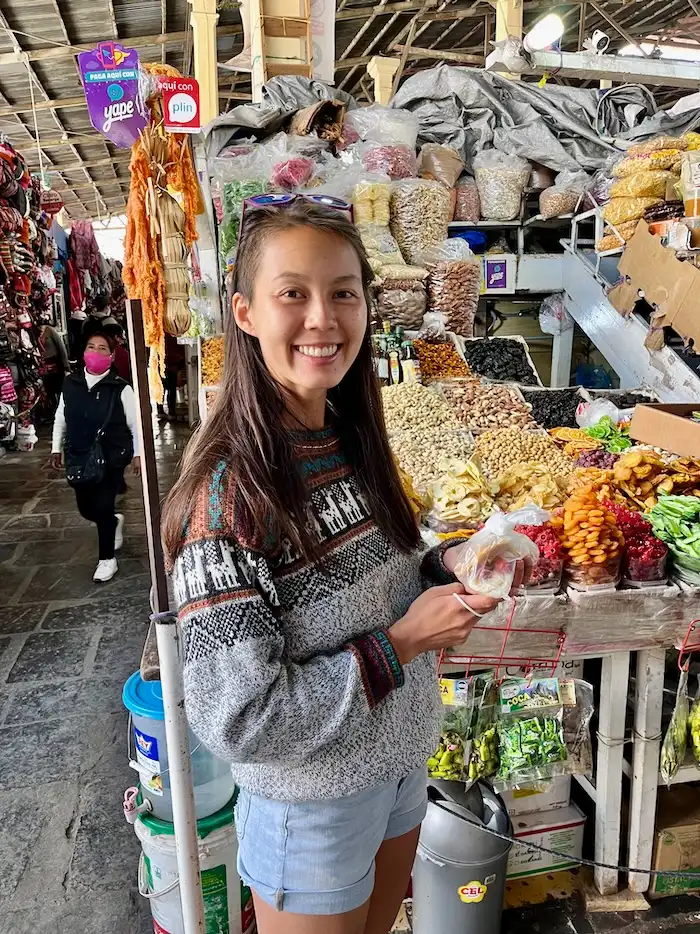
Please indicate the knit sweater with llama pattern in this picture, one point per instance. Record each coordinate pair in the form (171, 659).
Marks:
(289, 673)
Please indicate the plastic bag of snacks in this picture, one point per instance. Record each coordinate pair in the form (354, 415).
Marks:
(467, 204)
(657, 143)
(382, 124)
(370, 200)
(419, 215)
(620, 210)
(404, 306)
(486, 563)
(650, 184)
(441, 163)
(614, 239)
(403, 271)
(691, 140)
(564, 195)
(661, 159)
(462, 699)
(454, 281)
(381, 247)
(694, 726)
(501, 180)
(675, 742)
(531, 744)
(395, 161)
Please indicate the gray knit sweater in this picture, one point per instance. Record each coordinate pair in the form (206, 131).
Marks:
(289, 674)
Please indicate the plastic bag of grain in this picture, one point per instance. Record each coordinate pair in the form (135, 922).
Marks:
(454, 281)
(619, 210)
(501, 179)
(651, 184)
(420, 213)
(564, 195)
(467, 204)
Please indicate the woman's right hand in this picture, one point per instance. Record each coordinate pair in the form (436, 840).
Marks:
(436, 620)
(57, 461)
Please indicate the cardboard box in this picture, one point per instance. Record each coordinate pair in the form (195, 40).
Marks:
(677, 843)
(560, 830)
(668, 426)
(666, 282)
(529, 800)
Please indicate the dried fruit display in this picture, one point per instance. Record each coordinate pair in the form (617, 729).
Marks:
(642, 476)
(530, 483)
(591, 540)
(439, 360)
(501, 359)
(503, 448)
(461, 496)
(481, 406)
(548, 568)
(212, 361)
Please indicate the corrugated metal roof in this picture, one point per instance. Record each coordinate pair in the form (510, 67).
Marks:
(87, 168)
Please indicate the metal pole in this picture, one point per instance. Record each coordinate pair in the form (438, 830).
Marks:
(169, 648)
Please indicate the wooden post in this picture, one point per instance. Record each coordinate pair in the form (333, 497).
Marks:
(149, 474)
(382, 70)
(204, 19)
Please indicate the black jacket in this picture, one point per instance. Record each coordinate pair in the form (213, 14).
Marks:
(86, 411)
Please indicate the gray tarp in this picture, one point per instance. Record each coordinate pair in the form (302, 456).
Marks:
(282, 98)
(561, 127)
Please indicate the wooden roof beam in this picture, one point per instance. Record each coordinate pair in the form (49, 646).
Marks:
(68, 51)
(441, 55)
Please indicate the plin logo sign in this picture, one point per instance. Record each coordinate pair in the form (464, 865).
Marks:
(181, 105)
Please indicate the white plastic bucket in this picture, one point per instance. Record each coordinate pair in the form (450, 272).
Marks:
(26, 438)
(211, 777)
(228, 904)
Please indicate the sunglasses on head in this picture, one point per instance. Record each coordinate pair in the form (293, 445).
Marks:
(284, 200)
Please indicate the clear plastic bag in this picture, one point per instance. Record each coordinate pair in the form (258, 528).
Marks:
(531, 744)
(441, 163)
(486, 563)
(467, 204)
(657, 143)
(694, 726)
(454, 283)
(395, 161)
(380, 124)
(554, 318)
(650, 184)
(419, 215)
(381, 247)
(404, 307)
(661, 159)
(501, 180)
(620, 210)
(564, 195)
(434, 328)
(370, 199)
(675, 742)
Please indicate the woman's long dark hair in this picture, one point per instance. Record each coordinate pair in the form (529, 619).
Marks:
(248, 426)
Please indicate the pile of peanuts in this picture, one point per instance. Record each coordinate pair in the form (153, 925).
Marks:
(212, 361)
(483, 406)
(591, 539)
(415, 452)
(410, 405)
(439, 361)
(502, 448)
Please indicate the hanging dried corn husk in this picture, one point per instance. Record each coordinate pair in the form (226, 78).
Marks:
(173, 251)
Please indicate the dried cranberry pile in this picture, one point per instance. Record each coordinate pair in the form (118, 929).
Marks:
(645, 555)
(549, 565)
(600, 459)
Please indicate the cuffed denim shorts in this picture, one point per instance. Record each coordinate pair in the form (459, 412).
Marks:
(317, 857)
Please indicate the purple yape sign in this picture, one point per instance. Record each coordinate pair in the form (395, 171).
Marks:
(111, 81)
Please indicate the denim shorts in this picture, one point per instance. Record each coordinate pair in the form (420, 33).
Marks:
(317, 857)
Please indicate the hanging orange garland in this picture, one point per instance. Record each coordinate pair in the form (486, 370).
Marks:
(144, 274)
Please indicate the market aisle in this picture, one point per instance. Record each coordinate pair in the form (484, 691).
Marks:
(67, 857)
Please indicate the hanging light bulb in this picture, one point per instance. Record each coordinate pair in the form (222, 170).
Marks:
(544, 34)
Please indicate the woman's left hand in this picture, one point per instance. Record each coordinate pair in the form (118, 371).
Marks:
(136, 466)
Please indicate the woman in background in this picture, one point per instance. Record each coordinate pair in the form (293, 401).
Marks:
(54, 363)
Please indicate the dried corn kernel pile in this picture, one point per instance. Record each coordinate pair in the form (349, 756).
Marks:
(212, 361)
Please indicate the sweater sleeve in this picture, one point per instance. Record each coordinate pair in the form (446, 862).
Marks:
(245, 699)
(59, 428)
(129, 406)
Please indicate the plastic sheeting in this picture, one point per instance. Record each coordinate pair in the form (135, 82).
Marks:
(282, 97)
(559, 127)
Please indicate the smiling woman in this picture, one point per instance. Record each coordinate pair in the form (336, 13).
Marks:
(309, 647)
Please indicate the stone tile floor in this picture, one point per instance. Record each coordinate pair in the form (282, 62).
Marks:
(68, 859)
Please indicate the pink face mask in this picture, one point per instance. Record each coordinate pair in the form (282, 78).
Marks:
(97, 363)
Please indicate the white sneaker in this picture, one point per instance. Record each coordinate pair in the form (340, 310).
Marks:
(119, 534)
(105, 570)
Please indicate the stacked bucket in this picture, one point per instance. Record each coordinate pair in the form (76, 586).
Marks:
(228, 905)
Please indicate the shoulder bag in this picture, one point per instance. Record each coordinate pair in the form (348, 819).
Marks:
(89, 467)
